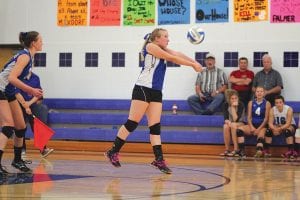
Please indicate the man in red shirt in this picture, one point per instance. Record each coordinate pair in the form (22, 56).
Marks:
(241, 80)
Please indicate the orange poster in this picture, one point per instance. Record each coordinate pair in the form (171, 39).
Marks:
(105, 12)
(250, 10)
(72, 12)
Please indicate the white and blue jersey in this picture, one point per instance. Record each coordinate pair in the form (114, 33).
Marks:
(7, 87)
(153, 72)
(280, 117)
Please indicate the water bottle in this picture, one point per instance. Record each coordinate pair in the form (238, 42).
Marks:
(174, 109)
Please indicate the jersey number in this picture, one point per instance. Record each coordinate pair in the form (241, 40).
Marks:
(280, 120)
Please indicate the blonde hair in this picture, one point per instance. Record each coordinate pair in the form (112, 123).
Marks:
(150, 37)
(229, 93)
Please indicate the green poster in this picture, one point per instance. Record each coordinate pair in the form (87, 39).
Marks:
(139, 12)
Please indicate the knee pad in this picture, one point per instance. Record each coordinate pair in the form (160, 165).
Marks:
(155, 129)
(287, 133)
(260, 140)
(20, 133)
(8, 131)
(239, 133)
(130, 125)
(269, 133)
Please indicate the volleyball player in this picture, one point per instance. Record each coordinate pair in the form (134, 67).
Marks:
(11, 116)
(147, 95)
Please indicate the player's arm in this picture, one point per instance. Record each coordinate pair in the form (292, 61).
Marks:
(158, 52)
(267, 113)
(289, 118)
(21, 62)
(271, 120)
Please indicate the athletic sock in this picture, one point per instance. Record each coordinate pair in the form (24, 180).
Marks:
(118, 143)
(18, 152)
(157, 150)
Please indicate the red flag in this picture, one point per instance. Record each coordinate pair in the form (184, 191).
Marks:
(42, 133)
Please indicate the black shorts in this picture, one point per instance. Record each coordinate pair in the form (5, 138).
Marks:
(2, 96)
(146, 94)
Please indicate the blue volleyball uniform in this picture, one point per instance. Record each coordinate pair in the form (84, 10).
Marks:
(258, 112)
(153, 72)
(7, 87)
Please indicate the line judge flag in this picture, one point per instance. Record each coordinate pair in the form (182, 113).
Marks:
(42, 133)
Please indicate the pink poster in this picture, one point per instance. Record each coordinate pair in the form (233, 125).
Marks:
(285, 11)
(105, 12)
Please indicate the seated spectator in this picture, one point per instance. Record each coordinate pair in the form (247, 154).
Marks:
(33, 106)
(257, 120)
(210, 86)
(281, 121)
(241, 81)
(268, 78)
(234, 114)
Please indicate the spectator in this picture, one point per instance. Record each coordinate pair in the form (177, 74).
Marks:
(268, 78)
(36, 106)
(234, 114)
(281, 121)
(210, 86)
(257, 120)
(241, 81)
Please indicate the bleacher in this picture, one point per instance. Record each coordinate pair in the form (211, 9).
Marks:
(99, 120)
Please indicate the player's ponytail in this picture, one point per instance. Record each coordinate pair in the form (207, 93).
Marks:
(26, 38)
(147, 40)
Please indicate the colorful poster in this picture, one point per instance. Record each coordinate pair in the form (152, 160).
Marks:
(211, 11)
(173, 12)
(72, 12)
(250, 10)
(285, 11)
(105, 12)
(139, 12)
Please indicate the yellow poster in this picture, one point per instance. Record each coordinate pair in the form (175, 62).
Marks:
(72, 12)
(250, 10)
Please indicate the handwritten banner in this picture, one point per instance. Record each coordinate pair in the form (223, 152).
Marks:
(285, 11)
(72, 12)
(173, 12)
(250, 10)
(105, 12)
(139, 12)
(211, 11)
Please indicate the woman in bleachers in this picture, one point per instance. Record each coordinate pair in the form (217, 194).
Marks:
(147, 95)
(257, 120)
(234, 114)
(281, 121)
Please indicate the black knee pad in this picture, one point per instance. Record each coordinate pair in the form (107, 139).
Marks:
(20, 133)
(260, 140)
(155, 129)
(130, 125)
(239, 133)
(269, 133)
(8, 131)
(287, 133)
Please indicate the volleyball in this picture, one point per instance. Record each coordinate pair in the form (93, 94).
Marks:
(195, 35)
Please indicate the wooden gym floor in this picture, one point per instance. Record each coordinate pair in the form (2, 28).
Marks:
(87, 175)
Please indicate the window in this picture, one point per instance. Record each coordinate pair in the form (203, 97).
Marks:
(257, 58)
(65, 59)
(40, 60)
(231, 59)
(291, 59)
(200, 57)
(118, 59)
(91, 59)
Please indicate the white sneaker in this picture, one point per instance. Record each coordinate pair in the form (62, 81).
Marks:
(46, 152)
